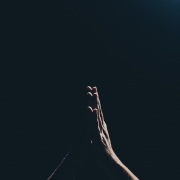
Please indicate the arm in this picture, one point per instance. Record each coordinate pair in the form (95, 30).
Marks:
(101, 143)
(118, 170)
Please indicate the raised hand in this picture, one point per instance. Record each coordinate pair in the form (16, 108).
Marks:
(101, 146)
(94, 145)
(100, 142)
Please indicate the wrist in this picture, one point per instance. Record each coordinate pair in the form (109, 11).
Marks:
(117, 170)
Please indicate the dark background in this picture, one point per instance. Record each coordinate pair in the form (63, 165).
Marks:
(50, 52)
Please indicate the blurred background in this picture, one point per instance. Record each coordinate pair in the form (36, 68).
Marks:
(52, 50)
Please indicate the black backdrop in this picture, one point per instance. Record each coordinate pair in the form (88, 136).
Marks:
(51, 50)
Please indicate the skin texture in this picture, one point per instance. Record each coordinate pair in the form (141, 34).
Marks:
(93, 144)
(102, 150)
(100, 142)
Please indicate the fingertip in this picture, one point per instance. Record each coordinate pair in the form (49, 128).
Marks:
(94, 89)
(95, 111)
(90, 108)
(89, 94)
(95, 94)
(88, 88)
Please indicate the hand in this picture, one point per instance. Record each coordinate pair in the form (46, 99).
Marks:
(100, 140)
(101, 144)
(95, 141)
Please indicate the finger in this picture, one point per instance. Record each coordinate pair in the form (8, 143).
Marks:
(88, 89)
(90, 110)
(89, 113)
(96, 125)
(89, 99)
(94, 90)
(96, 104)
(100, 127)
(95, 97)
